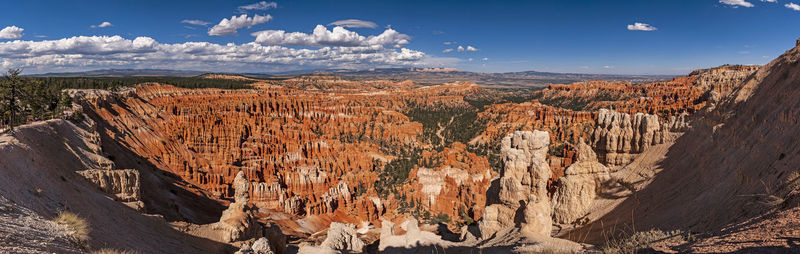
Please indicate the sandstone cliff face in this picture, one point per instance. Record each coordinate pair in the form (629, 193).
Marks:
(523, 196)
(123, 184)
(619, 137)
(579, 187)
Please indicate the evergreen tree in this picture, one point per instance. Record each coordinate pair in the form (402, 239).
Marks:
(11, 87)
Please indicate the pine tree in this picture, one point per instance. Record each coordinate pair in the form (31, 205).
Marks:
(12, 91)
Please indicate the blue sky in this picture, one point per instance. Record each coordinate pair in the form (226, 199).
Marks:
(496, 36)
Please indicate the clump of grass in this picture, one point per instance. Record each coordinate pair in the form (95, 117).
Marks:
(6, 208)
(640, 242)
(79, 226)
(113, 251)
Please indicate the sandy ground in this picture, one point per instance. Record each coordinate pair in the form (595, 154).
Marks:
(24, 231)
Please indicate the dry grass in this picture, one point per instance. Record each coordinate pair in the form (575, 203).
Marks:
(640, 242)
(113, 251)
(78, 225)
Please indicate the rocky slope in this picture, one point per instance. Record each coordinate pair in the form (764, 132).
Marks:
(737, 162)
(44, 160)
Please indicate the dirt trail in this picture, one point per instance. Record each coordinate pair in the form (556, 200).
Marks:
(441, 129)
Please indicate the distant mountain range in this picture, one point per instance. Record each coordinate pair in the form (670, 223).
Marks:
(426, 76)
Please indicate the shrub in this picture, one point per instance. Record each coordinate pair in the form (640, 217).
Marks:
(79, 226)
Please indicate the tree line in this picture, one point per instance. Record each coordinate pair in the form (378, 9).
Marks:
(26, 99)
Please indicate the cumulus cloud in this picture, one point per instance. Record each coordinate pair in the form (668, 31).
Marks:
(354, 23)
(87, 52)
(641, 27)
(471, 48)
(447, 50)
(485, 59)
(11, 32)
(101, 25)
(793, 6)
(338, 36)
(737, 3)
(460, 49)
(195, 22)
(229, 26)
(447, 42)
(770, 1)
(260, 6)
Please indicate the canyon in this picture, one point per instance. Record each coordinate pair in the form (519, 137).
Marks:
(327, 164)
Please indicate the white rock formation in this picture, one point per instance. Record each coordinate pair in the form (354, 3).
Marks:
(260, 246)
(238, 221)
(122, 183)
(618, 136)
(523, 187)
(413, 239)
(579, 187)
(343, 237)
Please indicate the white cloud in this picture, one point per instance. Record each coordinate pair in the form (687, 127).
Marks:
(447, 42)
(737, 3)
(608, 67)
(93, 52)
(260, 6)
(227, 27)
(469, 59)
(101, 25)
(11, 32)
(195, 22)
(485, 59)
(447, 50)
(468, 48)
(793, 6)
(354, 23)
(338, 36)
(641, 27)
(770, 1)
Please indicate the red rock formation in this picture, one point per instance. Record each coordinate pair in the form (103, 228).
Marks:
(303, 152)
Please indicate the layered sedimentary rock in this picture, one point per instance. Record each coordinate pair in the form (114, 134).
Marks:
(304, 152)
(238, 221)
(456, 187)
(523, 197)
(579, 187)
(619, 137)
(123, 184)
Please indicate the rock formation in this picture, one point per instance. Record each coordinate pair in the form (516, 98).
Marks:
(412, 239)
(238, 221)
(123, 184)
(619, 136)
(578, 188)
(523, 198)
(343, 237)
(260, 246)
